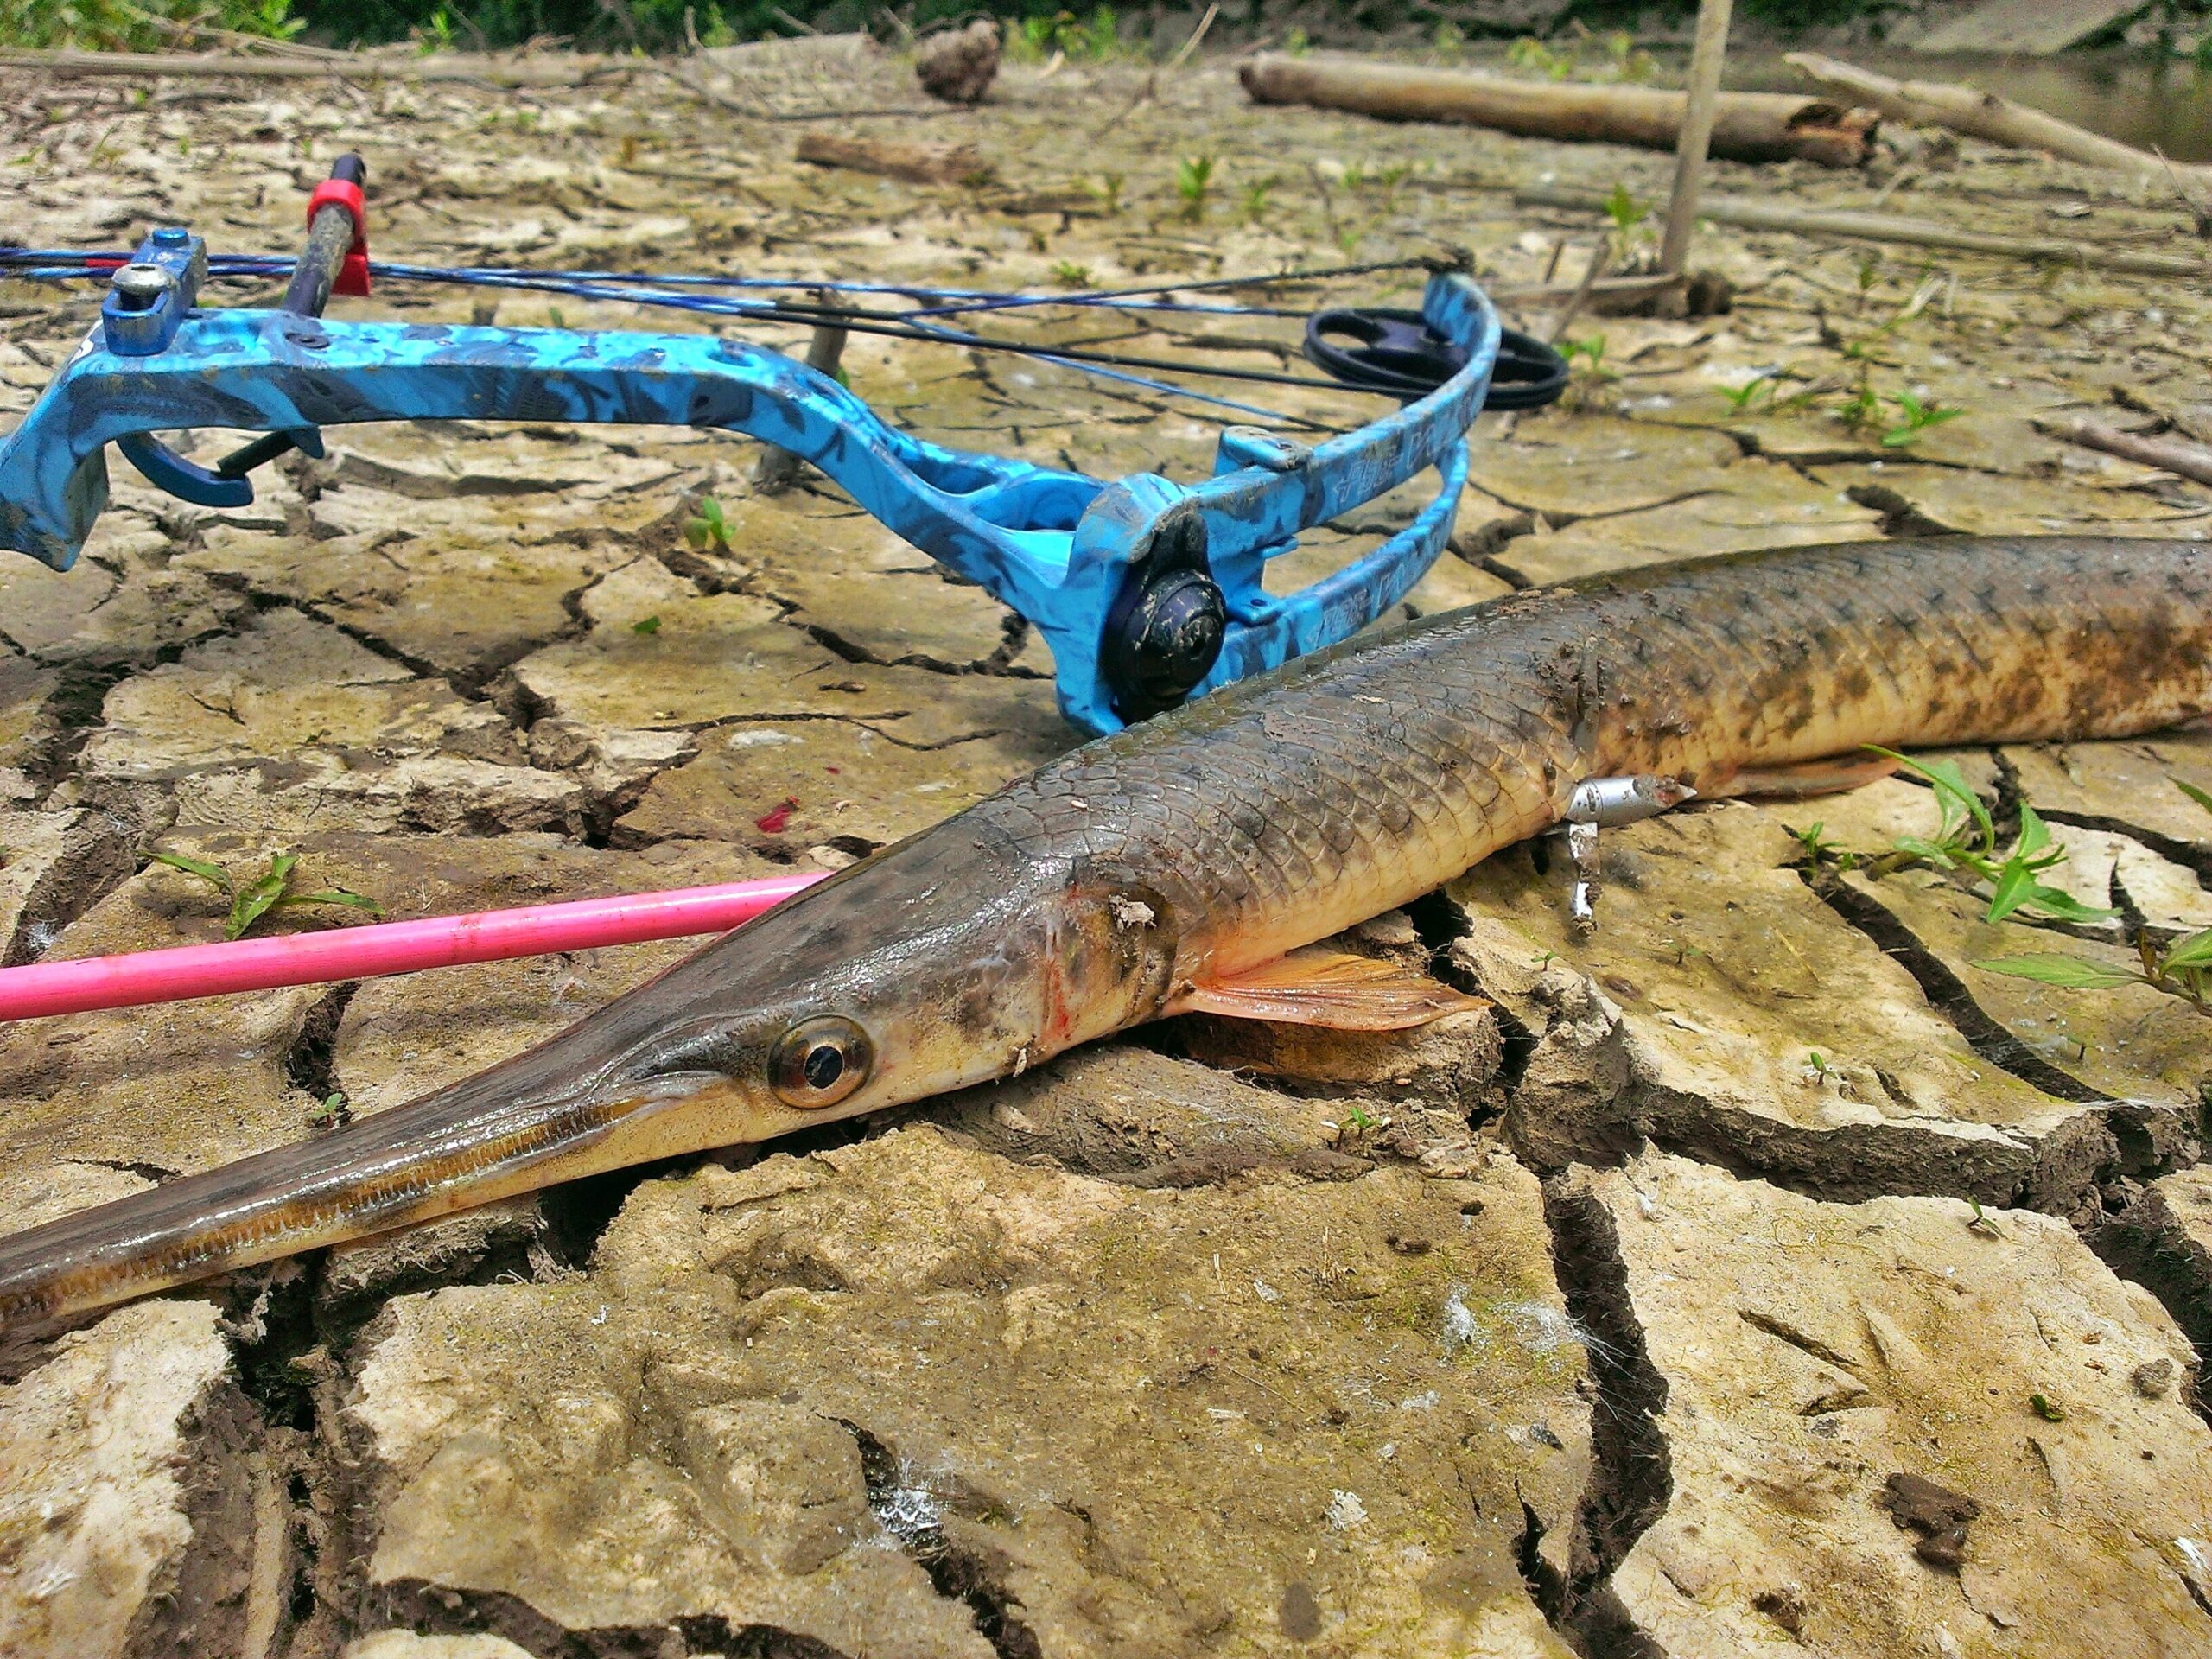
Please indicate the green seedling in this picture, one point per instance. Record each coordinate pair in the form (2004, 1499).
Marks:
(268, 893)
(1965, 840)
(2201, 797)
(1256, 198)
(1297, 44)
(648, 625)
(1915, 417)
(1817, 1063)
(1068, 274)
(2183, 969)
(1451, 42)
(1590, 351)
(330, 1112)
(1740, 399)
(708, 527)
(1981, 1222)
(1193, 178)
(1818, 849)
(1109, 192)
(2045, 1407)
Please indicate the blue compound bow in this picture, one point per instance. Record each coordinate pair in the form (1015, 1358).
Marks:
(1147, 591)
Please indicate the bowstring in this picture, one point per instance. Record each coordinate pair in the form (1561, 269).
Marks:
(61, 264)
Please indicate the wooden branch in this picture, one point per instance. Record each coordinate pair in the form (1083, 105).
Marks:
(1984, 115)
(917, 163)
(1917, 233)
(1706, 57)
(2168, 454)
(1747, 127)
(505, 70)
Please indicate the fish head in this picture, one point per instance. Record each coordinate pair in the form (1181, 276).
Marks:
(941, 963)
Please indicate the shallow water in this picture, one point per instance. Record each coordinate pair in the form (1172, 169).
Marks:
(2149, 101)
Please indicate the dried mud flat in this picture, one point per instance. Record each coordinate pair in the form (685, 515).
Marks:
(1760, 1277)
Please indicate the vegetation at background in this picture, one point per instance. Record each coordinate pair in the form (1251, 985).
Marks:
(1035, 28)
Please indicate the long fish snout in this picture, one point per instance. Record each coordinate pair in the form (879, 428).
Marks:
(885, 986)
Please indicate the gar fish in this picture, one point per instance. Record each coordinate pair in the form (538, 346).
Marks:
(1188, 862)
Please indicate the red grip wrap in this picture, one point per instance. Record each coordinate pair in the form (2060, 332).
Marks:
(353, 275)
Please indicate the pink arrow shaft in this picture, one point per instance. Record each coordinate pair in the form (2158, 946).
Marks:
(142, 976)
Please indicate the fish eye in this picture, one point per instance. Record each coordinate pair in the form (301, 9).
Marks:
(819, 1062)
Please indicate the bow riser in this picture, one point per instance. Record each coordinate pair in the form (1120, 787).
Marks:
(1072, 553)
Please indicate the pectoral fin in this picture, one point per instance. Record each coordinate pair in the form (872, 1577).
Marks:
(1808, 778)
(1320, 987)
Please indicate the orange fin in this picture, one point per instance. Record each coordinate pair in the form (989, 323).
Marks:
(1808, 778)
(1320, 987)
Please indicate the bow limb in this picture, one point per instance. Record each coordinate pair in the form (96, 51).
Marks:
(1002, 523)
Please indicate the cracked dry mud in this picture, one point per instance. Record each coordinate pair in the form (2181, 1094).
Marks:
(1759, 1276)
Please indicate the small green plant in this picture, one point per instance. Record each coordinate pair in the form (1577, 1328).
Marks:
(1817, 1065)
(708, 527)
(2183, 969)
(1915, 417)
(1451, 42)
(1590, 351)
(1068, 274)
(1819, 849)
(435, 33)
(1740, 399)
(2203, 797)
(330, 1112)
(1109, 191)
(2045, 1407)
(1193, 178)
(1965, 840)
(1256, 198)
(1983, 1222)
(269, 891)
(1297, 44)
(647, 625)
(1631, 228)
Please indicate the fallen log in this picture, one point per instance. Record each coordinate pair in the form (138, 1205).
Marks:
(506, 70)
(1748, 126)
(1984, 115)
(2168, 454)
(1751, 215)
(917, 163)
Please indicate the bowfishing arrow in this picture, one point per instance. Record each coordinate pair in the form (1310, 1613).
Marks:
(1147, 591)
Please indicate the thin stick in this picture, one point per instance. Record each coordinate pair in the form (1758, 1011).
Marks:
(1914, 232)
(1581, 295)
(1183, 52)
(1706, 58)
(2167, 455)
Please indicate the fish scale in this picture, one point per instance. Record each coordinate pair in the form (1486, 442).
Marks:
(1956, 639)
(1100, 891)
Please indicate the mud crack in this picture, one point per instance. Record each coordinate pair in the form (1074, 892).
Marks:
(1631, 1478)
(912, 1514)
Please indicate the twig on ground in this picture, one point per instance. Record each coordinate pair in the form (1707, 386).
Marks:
(1979, 115)
(2188, 460)
(1918, 233)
